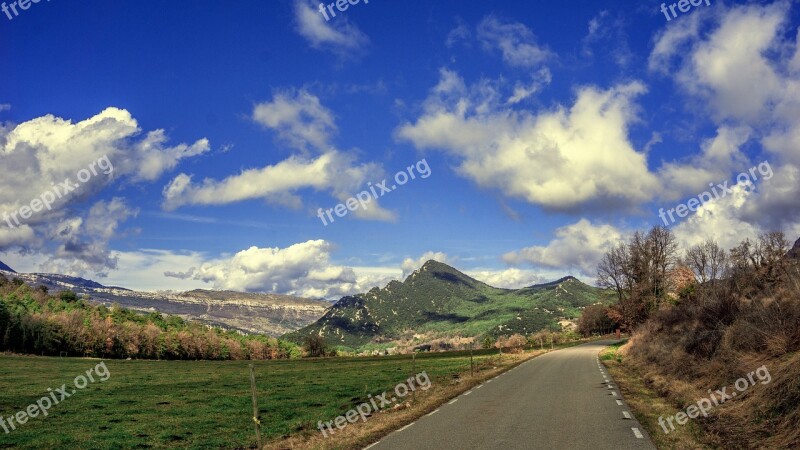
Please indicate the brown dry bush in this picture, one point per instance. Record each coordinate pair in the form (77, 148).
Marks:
(713, 337)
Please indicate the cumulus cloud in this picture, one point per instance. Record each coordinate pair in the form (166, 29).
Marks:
(46, 151)
(743, 67)
(511, 278)
(40, 155)
(302, 269)
(720, 156)
(577, 246)
(298, 118)
(721, 219)
(589, 159)
(83, 243)
(338, 36)
(17, 236)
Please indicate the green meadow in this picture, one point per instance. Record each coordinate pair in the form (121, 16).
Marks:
(199, 404)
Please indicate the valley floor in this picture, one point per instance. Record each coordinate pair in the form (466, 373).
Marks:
(205, 404)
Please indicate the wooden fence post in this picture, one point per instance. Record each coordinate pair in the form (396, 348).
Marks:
(471, 364)
(413, 374)
(256, 422)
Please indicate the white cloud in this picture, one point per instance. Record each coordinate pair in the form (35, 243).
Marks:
(675, 40)
(4, 107)
(720, 157)
(17, 236)
(337, 35)
(562, 159)
(39, 155)
(299, 119)
(279, 183)
(577, 246)
(511, 278)
(719, 219)
(83, 244)
(515, 41)
(744, 70)
(731, 68)
(302, 269)
(522, 91)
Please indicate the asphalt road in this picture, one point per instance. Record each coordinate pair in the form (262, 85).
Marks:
(556, 401)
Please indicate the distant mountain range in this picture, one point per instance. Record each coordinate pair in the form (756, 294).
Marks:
(270, 314)
(439, 301)
(436, 301)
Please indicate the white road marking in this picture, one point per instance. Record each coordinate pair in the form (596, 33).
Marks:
(619, 402)
(401, 429)
(610, 386)
(468, 392)
(479, 386)
(614, 393)
(626, 414)
(637, 433)
(452, 401)
(372, 445)
(429, 414)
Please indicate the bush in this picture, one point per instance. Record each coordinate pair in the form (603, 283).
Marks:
(68, 296)
(316, 346)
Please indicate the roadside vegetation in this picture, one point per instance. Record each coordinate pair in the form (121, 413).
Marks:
(34, 322)
(699, 322)
(647, 404)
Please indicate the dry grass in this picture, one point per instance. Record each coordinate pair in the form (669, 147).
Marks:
(708, 342)
(648, 404)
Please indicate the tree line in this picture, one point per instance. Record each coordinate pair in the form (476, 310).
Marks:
(648, 272)
(34, 322)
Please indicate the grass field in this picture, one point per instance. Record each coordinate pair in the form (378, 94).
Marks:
(199, 404)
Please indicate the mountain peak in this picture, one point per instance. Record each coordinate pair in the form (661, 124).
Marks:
(567, 279)
(6, 268)
(443, 272)
(432, 264)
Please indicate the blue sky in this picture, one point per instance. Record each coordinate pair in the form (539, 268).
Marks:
(551, 132)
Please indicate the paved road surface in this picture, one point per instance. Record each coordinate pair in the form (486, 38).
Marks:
(556, 401)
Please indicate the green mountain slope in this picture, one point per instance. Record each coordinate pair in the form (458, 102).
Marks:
(439, 301)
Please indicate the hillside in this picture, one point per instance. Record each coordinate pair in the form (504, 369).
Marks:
(439, 301)
(269, 314)
(35, 322)
(719, 333)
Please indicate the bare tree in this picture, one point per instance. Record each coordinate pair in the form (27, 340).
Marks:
(662, 257)
(708, 261)
(639, 272)
(758, 266)
(612, 271)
